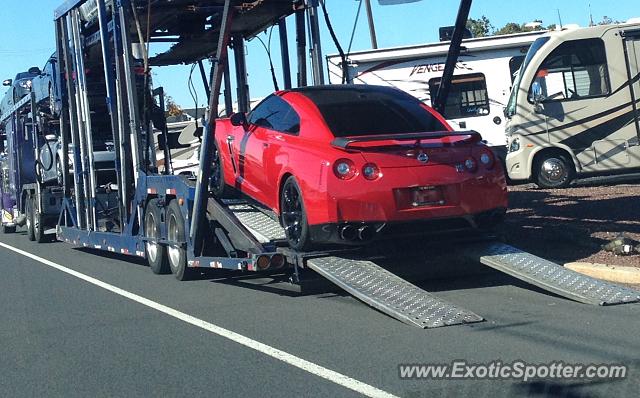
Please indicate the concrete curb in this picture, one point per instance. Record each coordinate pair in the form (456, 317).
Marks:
(612, 273)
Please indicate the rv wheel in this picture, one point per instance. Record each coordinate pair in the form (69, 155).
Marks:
(554, 170)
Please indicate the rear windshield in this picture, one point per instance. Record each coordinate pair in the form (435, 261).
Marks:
(25, 75)
(371, 111)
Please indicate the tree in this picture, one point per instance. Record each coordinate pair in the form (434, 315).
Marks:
(510, 28)
(480, 27)
(173, 109)
(608, 21)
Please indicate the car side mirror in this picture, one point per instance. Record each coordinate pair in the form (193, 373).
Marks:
(239, 119)
(7, 82)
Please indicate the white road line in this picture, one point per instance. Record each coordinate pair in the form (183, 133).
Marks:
(320, 371)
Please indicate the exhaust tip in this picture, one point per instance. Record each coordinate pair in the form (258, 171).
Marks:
(348, 232)
(366, 233)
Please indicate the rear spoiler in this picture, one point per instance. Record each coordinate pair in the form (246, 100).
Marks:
(378, 140)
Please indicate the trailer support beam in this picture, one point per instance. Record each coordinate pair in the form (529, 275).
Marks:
(198, 217)
(316, 47)
(301, 45)
(284, 50)
(452, 58)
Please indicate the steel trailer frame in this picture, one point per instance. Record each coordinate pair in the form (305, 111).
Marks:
(116, 28)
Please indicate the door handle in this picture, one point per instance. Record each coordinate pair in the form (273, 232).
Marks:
(230, 138)
(265, 145)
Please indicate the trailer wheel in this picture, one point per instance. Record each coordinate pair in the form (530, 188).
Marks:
(156, 253)
(176, 233)
(29, 214)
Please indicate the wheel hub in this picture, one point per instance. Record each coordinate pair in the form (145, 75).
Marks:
(172, 234)
(152, 232)
(554, 169)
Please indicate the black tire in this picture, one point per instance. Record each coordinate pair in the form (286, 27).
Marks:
(8, 229)
(38, 225)
(293, 215)
(156, 253)
(29, 215)
(217, 185)
(554, 170)
(176, 232)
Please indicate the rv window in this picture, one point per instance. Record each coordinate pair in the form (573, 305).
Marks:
(467, 96)
(574, 70)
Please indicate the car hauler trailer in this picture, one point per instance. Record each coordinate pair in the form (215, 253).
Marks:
(172, 221)
(574, 107)
(479, 89)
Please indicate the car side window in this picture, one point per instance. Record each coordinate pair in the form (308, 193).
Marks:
(274, 113)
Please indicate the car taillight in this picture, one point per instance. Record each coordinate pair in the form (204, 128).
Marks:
(370, 171)
(487, 159)
(471, 164)
(344, 169)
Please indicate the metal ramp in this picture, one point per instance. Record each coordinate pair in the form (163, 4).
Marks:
(551, 276)
(391, 294)
(259, 224)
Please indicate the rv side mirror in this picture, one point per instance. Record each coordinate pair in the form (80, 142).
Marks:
(7, 82)
(239, 119)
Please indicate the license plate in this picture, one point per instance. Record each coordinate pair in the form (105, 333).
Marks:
(427, 196)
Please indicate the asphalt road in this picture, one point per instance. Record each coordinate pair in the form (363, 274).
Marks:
(63, 336)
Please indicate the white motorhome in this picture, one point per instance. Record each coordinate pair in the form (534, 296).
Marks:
(574, 107)
(480, 87)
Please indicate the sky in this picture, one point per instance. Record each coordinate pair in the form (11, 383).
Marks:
(26, 27)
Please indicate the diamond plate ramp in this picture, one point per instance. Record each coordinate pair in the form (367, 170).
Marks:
(551, 276)
(261, 225)
(390, 294)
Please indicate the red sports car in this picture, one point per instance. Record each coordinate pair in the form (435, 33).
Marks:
(347, 164)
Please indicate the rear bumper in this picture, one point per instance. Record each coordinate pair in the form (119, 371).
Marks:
(362, 233)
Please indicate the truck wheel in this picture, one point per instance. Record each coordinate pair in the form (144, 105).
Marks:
(29, 210)
(38, 225)
(176, 232)
(293, 216)
(156, 253)
(554, 170)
